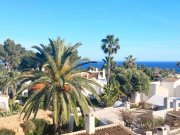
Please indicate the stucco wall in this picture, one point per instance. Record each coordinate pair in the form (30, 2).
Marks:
(170, 87)
(177, 91)
(4, 102)
(162, 91)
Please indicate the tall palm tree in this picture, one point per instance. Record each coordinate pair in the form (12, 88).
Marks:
(110, 46)
(59, 84)
(129, 62)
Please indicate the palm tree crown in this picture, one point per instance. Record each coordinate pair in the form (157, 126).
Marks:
(62, 86)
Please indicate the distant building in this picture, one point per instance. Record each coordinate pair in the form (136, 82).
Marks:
(99, 76)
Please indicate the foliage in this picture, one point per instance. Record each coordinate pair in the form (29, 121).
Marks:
(112, 93)
(81, 126)
(36, 127)
(129, 62)
(28, 127)
(41, 127)
(58, 71)
(110, 46)
(132, 80)
(11, 54)
(147, 121)
(133, 105)
(5, 131)
(14, 107)
(127, 117)
(10, 80)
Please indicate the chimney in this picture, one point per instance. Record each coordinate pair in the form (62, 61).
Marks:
(127, 105)
(167, 103)
(148, 132)
(90, 123)
(163, 130)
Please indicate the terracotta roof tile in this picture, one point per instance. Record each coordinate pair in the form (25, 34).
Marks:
(108, 130)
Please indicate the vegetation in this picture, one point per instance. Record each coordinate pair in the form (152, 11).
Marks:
(111, 93)
(11, 54)
(5, 131)
(127, 117)
(132, 80)
(58, 71)
(36, 127)
(81, 126)
(147, 121)
(28, 127)
(129, 62)
(110, 46)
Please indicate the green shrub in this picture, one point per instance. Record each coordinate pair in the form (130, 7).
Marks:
(5, 131)
(28, 127)
(14, 107)
(81, 125)
(133, 106)
(41, 126)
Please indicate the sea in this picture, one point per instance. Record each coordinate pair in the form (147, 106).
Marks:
(150, 64)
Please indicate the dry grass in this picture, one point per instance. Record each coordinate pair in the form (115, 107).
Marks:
(13, 122)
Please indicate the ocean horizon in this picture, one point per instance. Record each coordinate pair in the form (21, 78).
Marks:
(150, 64)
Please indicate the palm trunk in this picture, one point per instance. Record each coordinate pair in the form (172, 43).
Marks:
(13, 92)
(55, 114)
(109, 69)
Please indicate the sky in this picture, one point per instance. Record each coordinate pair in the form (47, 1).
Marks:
(148, 30)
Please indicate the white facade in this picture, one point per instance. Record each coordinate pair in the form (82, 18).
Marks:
(163, 88)
(4, 102)
(99, 76)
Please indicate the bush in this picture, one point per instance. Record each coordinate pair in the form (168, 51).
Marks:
(41, 126)
(144, 105)
(133, 106)
(14, 107)
(81, 125)
(5, 131)
(147, 121)
(28, 127)
(127, 117)
(36, 127)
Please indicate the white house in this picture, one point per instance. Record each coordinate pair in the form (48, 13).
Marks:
(99, 76)
(168, 87)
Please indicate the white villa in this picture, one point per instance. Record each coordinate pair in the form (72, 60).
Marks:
(166, 88)
(98, 76)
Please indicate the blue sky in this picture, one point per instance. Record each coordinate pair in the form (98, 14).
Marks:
(149, 30)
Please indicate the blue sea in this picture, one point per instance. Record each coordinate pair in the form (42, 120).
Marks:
(162, 65)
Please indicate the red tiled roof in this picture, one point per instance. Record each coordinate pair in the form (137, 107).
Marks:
(107, 130)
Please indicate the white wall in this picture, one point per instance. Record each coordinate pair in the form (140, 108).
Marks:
(4, 102)
(170, 87)
(177, 91)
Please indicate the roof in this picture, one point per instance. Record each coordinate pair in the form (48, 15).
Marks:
(159, 100)
(172, 79)
(156, 100)
(113, 129)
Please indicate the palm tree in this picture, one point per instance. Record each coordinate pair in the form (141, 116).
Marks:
(59, 84)
(10, 79)
(129, 62)
(110, 46)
